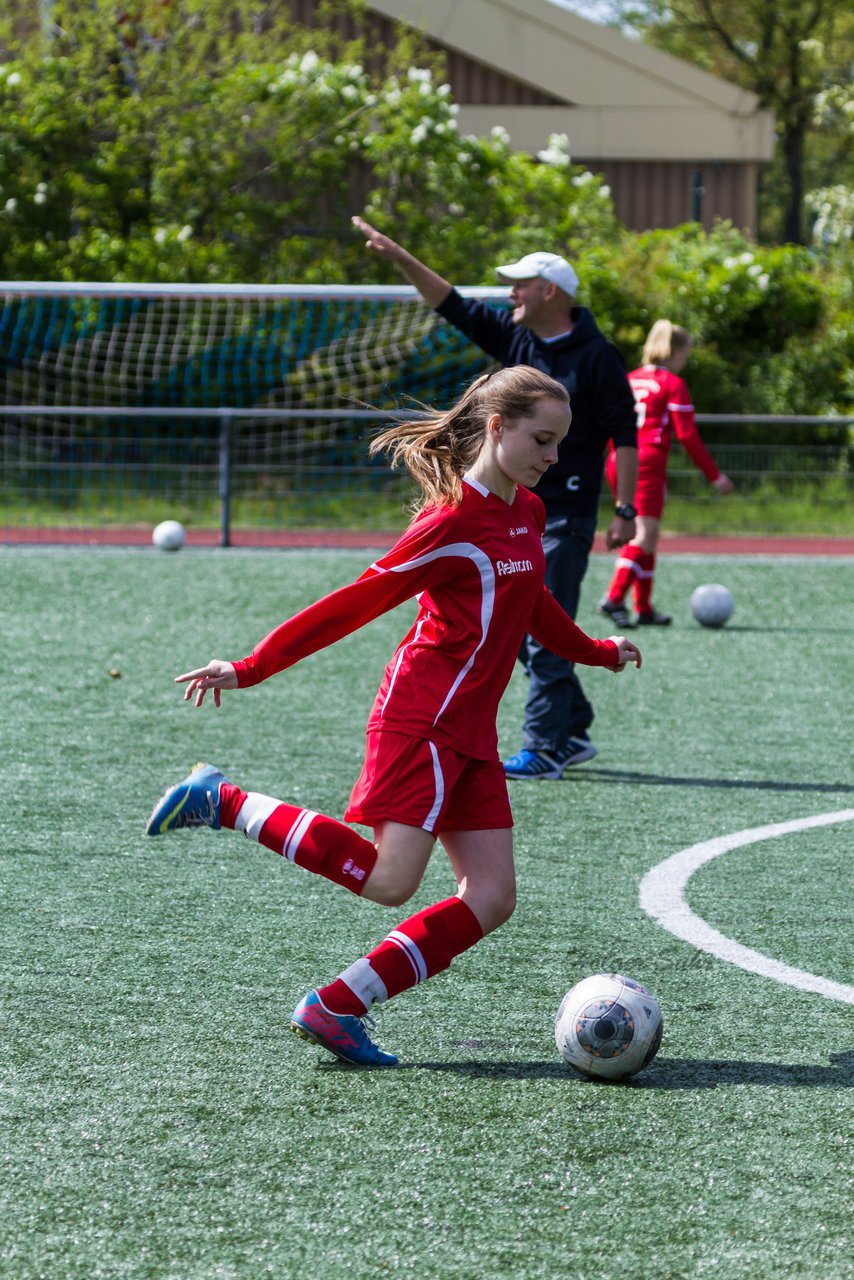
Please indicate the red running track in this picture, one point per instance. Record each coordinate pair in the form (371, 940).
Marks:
(671, 544)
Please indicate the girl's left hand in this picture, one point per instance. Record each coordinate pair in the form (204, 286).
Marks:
(217, 675)
(628, 652)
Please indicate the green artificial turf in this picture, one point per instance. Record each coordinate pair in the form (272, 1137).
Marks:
(161, 1123)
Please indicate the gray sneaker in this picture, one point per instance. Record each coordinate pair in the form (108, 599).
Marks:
(618, 613)
(577, 750)
(654, 619)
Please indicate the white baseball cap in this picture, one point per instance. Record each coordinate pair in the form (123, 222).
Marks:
(549, 266)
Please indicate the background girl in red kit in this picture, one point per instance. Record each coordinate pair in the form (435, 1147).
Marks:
(473, 558)
(664, 407)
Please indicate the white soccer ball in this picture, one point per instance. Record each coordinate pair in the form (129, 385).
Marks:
(608, 1026)
(169, 535)
(712, 605)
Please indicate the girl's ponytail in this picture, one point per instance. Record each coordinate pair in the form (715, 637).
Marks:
(438, 449)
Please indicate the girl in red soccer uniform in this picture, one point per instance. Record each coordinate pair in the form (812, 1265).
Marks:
(474, 560)
(664, 407)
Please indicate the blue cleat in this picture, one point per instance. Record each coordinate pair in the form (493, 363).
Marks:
(342, 1034)
(533, 764)
(527, 765)
(194, 802)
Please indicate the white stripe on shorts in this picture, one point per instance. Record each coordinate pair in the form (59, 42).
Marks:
(430, 821)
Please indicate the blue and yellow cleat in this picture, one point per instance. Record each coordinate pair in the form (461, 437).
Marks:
(342, 1034)
(191, 803)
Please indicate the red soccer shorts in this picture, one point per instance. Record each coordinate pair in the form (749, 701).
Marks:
(651, 490)
(421, 783)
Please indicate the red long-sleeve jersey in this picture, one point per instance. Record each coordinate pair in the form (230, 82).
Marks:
(664, 406)
(477, 571)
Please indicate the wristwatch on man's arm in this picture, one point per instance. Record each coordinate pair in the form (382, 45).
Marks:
(625, 511)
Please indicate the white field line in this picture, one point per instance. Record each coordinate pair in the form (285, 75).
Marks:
(662, 898)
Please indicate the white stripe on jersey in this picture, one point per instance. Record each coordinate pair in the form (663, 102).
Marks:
(483, 564)
(430, 820)
(400, 659)
(469, 479)
(412, 953)
(254, 812)
(682, 408)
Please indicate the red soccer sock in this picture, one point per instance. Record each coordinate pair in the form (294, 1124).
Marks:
(644, 582)
(311, 840)
(416, 950)
(625, 571)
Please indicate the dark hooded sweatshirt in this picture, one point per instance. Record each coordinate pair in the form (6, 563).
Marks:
(594, 374)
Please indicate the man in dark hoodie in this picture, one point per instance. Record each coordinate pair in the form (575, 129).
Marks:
(545, 330)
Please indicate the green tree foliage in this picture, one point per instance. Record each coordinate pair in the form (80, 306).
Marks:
(208, 141)
(798, 56)
(773, 326)
(204, 143)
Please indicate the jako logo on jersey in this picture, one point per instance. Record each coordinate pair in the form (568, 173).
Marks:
(505, 567)
(517, 533)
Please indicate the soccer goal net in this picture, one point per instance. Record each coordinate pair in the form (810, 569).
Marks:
(114, 396)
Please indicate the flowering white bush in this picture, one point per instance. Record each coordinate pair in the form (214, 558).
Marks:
(557, 151)
(834, 214)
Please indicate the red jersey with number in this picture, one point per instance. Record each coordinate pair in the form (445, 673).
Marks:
(664, 407)
(477, 571)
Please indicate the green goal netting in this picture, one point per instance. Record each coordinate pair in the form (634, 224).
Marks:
(114, 396)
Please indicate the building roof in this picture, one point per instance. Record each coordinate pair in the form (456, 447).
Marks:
(615, 97)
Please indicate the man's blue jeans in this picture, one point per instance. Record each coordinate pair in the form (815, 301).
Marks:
(557, 708)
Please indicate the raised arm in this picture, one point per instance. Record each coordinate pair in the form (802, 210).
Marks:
(432, 287)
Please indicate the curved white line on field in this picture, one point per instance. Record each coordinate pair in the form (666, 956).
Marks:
(661, 896)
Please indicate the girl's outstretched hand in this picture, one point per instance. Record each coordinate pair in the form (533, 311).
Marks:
(628, 652)
(217, 675)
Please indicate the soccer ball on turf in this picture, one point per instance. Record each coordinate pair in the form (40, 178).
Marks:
(712, 605)
(169, 535)
(608, 1026)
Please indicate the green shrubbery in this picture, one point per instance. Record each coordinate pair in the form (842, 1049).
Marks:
(772, 325)
(208, 150)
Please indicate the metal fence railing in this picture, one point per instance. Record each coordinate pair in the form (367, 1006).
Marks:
(225, 469)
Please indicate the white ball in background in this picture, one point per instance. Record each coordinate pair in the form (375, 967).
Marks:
(712, 605)
(169, 535)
